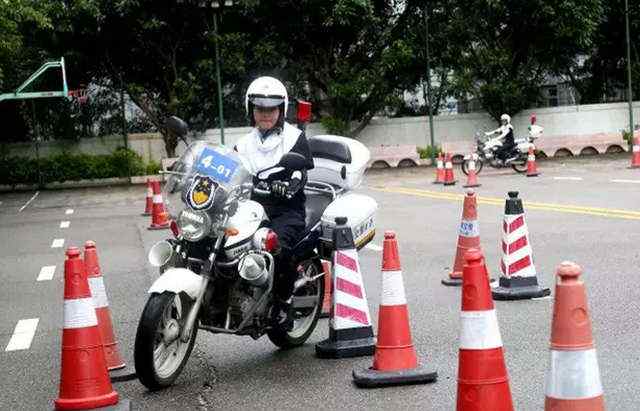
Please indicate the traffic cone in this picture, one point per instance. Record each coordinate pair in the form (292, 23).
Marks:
(148, 208)
(468, 237)
(483, 383)
(518, 280)
(532, 169)
(449, 179)
(326, 302)
(159, 218)
(395, 361)
(472, 177)
(635, 159)
(84, 379)
(439, 170)
(573, 377)
(101, 301)
(350, 331)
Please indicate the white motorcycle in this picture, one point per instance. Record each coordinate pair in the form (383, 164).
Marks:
(217, 273)
(488, 147)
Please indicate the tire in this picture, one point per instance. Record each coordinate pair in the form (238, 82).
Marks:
(520, 167)
(160, 311)
(303, 324)
(465, 166)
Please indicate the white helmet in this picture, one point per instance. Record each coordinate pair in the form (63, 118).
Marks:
(266, 92)
(505, 117)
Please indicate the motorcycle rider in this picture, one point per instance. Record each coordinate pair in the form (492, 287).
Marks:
(266, 102)
(505, 132)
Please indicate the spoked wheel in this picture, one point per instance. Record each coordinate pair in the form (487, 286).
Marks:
(520, 166)
(307, 305)
(159, 353)
(465, 166)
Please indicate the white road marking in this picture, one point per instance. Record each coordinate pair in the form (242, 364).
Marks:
(57, 243)
(69, 211)
(65, 224)
(46, 273)
(29, 202)
(568, 178)
(546, 297)
(626, 181)
(373, 247)
(23, 335)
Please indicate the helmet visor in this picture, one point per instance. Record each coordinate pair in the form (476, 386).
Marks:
(265, 100)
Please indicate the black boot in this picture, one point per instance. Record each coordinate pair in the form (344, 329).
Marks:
(282, 314)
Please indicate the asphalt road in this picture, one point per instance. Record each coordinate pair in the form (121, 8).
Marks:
(584, 210)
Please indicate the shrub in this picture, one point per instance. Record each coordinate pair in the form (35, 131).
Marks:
(335, 126)
(428, 151)
(153, 168)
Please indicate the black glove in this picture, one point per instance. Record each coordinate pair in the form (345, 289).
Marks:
(280, 189)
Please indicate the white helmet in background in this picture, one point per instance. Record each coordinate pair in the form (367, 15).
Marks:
(266, 92)
(505, 119)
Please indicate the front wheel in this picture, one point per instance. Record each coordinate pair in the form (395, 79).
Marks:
(307, 305)
(519, 166)
(159, 352)
(465, 166)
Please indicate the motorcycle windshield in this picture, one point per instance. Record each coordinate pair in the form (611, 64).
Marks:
(203, 177)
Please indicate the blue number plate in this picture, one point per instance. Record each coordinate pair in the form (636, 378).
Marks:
(216, 165)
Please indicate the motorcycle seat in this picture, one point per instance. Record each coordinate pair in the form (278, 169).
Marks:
(315, 206)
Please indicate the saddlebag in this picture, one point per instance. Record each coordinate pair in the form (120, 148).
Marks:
(339, 161)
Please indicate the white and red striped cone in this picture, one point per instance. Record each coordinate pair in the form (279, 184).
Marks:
(532, 168)
(573, 377)
(159, 217)
(350, 330)
(326, 301)
(449, 178)
(148, 208)
(518, 278)
(472, 175)
(395, 361)
(483, 382)
(439, 170)
(635, 148)
(84, 379)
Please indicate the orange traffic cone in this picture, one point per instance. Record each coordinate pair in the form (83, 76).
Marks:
(483, 383)
(468, 237)
(395, 361)
(532, 169)
(573, 377)
(350, 331)
(159, 218)
(635, 159)
(472, 176)
(84, 379)
(326, 303)
(449, 179)
(148, 208)
(101, 301)
(439, 170)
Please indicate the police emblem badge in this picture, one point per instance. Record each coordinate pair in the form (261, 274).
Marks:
(201, 192)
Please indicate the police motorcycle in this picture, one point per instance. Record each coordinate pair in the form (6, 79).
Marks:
(217, 272)
(486, 149)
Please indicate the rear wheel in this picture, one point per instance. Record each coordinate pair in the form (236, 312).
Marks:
(519, 166)
(465, 166)
(307, 305)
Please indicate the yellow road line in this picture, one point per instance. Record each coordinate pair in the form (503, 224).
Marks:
(562, 208)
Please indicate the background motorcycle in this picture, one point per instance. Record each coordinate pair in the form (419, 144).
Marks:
(218, 270)
(486, 149)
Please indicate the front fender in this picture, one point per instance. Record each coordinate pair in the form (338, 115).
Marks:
(177, 280)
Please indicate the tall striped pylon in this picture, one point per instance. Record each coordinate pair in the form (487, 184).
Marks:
(472, 176)
(635, 148)
(468, 237)
(573, 377)
(350, 331)
(101, 301)
(159, 218)
(532, 168)
(518, 278)
(326, 302)
(148, 208)
(449, 179)
(84, 379)
(483, 383)
(395, 361)
(439, 170)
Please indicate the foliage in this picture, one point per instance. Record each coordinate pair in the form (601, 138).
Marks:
(429, 151)
(70, 167)
(153, 167)
(335, 126)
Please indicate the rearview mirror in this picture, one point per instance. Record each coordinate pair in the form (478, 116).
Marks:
(293, 161)
(177, 126)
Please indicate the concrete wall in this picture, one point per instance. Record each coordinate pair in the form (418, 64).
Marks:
(578, 124)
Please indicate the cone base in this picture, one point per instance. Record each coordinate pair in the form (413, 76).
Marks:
(158, 226)
(533, 175)
(471, 185)
(519, 293)
(631, 167)
(370, 378)
(452, 281)
(122, 374)
(145, 214)
(360, 347)
(87, 403)
(325, 314)
(450, 183)
(438, 182)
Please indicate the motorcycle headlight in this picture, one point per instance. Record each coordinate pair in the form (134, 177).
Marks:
(194, 225)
